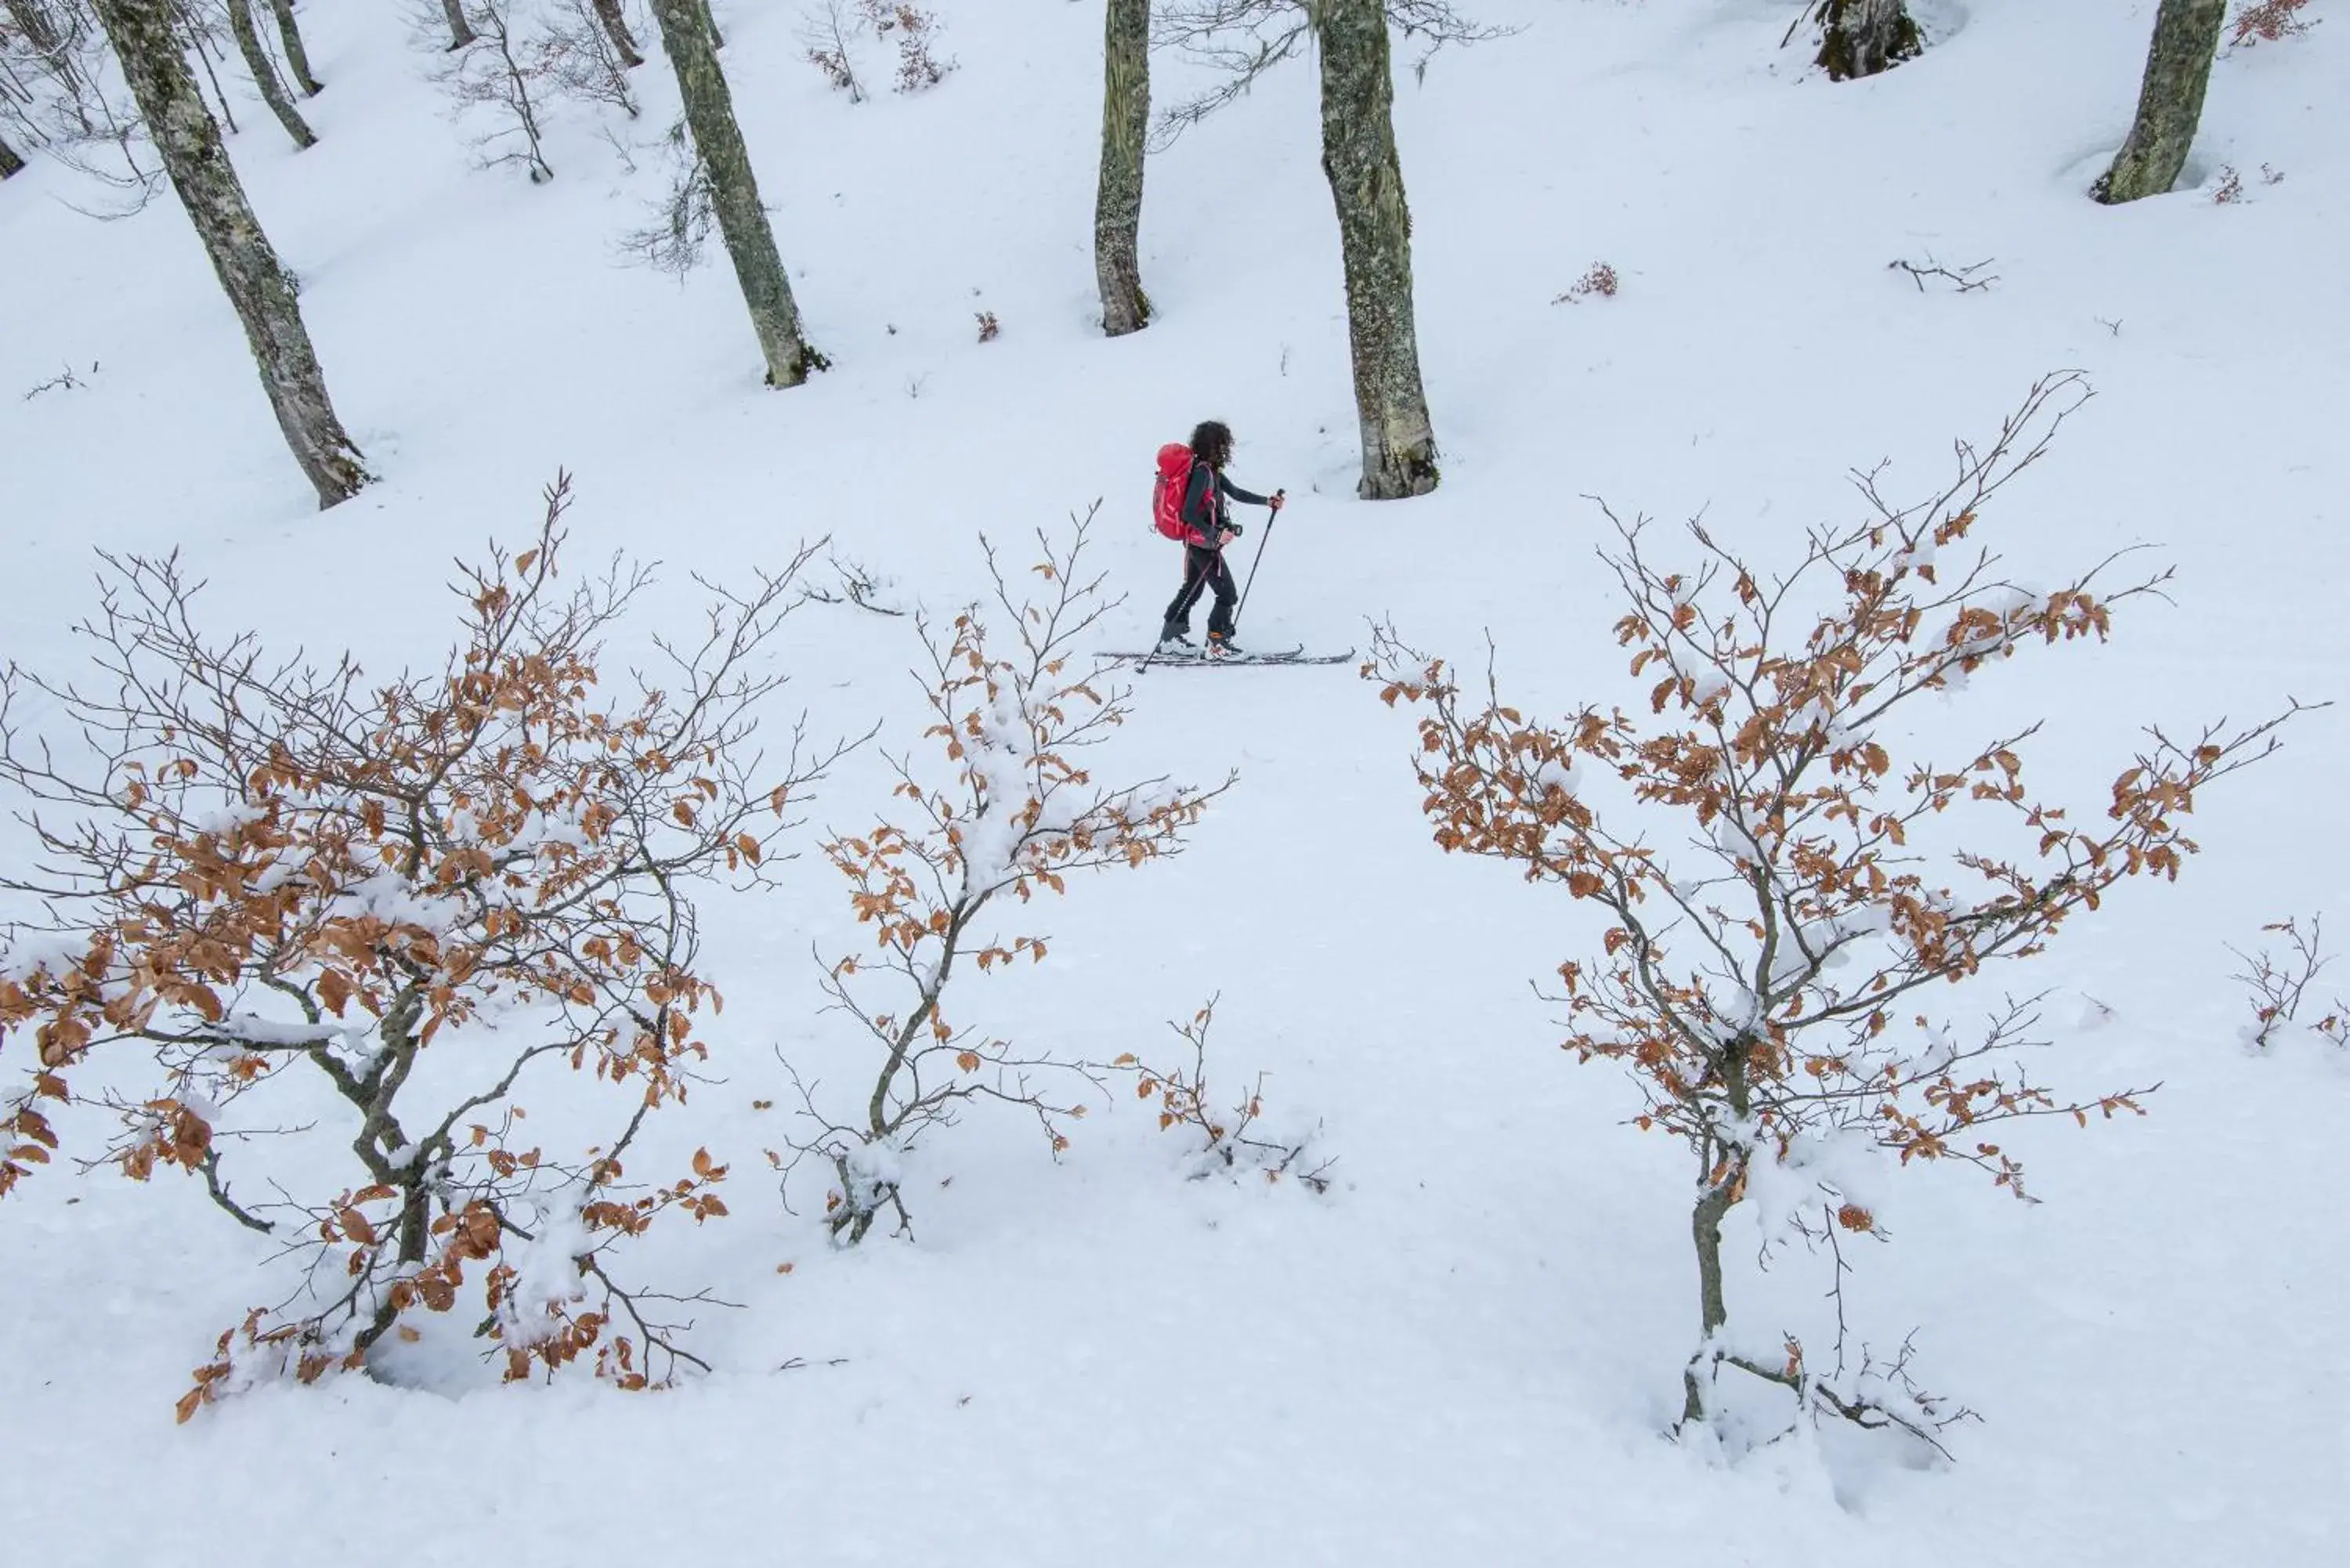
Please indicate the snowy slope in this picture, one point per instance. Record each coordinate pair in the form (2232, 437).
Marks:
(1464, 1352)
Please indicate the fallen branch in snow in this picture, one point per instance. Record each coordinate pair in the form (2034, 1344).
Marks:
(859, 586)
(65, 380)
(1962, 279)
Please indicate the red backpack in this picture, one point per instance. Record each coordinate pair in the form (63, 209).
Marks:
(1174, 481)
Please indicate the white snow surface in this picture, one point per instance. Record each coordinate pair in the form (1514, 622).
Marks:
(1465, 1353)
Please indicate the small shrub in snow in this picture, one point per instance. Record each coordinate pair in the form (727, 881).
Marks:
(828, 37)
(1599, 279)
(1005, 809)
(277, 883)
(1231, 1138)
(2230, 189)
(915, 33)
(2269, 21)
(1769, 983)
(2280, 988)
(825, 35)
(989, 328)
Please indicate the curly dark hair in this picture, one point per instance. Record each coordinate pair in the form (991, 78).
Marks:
(1211, 442)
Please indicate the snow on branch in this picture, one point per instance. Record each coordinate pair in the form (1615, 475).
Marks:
(271, 877)
(1769, 980)
(1006, 806)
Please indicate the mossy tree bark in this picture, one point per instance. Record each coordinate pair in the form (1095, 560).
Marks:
(2170, 101)
(297, 58)
(264, 74)
(10, 163)
(1118, 204)
(256, 282)
(460, 30)
(1358, 155)
(734, 190)
(1863, 37)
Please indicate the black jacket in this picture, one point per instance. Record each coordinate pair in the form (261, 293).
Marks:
(1207, 500)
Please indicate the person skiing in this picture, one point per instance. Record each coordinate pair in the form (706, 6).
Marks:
(1208, 525)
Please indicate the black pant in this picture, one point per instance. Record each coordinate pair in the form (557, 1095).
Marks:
(1203, 569)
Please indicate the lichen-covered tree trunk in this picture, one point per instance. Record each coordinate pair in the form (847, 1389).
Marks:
(1862, 38)
(2170, 101)
(735, 190)
(615, 27)
(10, 163)
(1358, 155)
(461, 31)
(264, 73)
(1118, 204)
(256, 282)
(297, 58)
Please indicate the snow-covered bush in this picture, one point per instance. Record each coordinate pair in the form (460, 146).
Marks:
(1005, 808)
(1770, 984)
(270, 898)
(1229, 1139)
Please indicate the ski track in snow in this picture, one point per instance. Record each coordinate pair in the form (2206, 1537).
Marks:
(1464, 1353)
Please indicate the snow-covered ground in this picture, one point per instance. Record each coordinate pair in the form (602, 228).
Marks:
(1465, 1351)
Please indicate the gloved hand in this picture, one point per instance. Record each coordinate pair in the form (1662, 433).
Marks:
(1231, 530)
(1279, 497)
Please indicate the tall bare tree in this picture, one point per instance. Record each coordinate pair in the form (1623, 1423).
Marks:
(264, 74)
(297, 55)
(255, 281)
(2170, 101)
(1358, 155)
(687, 34)
(1117, 205)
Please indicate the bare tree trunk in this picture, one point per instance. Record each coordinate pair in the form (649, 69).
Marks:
(10, 163)
(1117, 205)
(1705, 1233)
(1862, 38)
(264, 74)
(461, 31)
(615, 27)
(735, 190)
(710, 22)
(1358, 155)
(2170, 101)
(297, 58)
(256, 282)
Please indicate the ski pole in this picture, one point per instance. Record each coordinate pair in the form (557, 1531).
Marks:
(1279, 498)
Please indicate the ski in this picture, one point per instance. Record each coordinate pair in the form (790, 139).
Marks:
(1170, 659)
